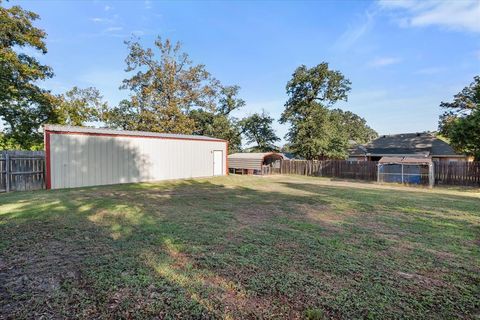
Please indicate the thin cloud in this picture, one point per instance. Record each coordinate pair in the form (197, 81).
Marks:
(101, 20)
(113, 29)
(430, 71)
(107, 8)
(454, 15)
(355, 32)
(138, 33)
(384, 61)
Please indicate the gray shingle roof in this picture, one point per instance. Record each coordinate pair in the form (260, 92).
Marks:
(420, 144)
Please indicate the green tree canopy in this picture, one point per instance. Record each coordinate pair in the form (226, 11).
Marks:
(316, 131)
(218, 122)
(78, 106)
(171, 94)
(24, 106)
(165, 88)
(258, 130)
(125, 116)
(352, 126)
(460, 123)
(217, 125)
(228, 100)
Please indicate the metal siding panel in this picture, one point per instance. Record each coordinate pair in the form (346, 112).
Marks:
(56, 155)
(54, 160)
(66, 164)
(98, 163)
(95, 160)
(123, 161)
(114, 164)
(81, 160)
(95, 171)
(90, 174)
(109, 160)
(245, 164)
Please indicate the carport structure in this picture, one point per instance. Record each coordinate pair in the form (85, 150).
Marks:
(406, 170)
(252, 163)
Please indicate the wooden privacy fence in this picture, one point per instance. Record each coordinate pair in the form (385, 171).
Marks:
(365, 170)
(453, 173)
(457, 173)
(22, 170)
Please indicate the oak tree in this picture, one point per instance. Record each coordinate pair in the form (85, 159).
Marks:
(460, 123)
(24, 106)
(166, 86)
(258, 130)
(310, 92)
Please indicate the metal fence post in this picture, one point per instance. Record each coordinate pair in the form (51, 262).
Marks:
(402, 173)
(7, 172)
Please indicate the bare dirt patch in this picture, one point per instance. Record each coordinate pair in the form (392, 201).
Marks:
(322, 214)
(422, 280)
(31, 276)
(254, 215)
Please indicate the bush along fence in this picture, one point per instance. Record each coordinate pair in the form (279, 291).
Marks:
(22, 170)
(453, 173)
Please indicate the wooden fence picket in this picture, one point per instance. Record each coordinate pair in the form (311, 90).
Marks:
(453, 173)
(22, 170)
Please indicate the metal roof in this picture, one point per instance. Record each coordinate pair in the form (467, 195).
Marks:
(105, 131)
(405, 160)
(253, 155)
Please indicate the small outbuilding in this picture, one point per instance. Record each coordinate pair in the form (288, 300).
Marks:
(406, 170)
(253, 162)
(81, 156)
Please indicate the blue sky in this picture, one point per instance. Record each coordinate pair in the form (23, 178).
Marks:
(403, 57)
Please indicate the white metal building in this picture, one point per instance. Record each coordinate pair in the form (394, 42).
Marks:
(80, 156)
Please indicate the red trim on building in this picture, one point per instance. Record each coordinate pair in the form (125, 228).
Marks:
(48, 173)
(47, 133)
(226, 158)
(132, 136)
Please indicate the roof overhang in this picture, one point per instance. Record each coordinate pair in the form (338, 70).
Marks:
(413, 155)
(406, 160)
(61, 129)
(449, 156)
(255, 155)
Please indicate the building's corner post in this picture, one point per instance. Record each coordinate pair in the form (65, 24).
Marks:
(227, 171)
(48, 181)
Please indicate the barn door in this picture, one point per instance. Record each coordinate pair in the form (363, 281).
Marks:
(217, 162)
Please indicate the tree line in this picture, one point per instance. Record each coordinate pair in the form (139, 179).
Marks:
(169, 93)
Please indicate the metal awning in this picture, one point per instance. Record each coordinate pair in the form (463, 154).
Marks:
(405, 160)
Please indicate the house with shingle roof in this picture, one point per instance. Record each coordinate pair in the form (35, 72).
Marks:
(422, 145)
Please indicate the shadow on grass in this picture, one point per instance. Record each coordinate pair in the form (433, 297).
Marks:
(217, 248)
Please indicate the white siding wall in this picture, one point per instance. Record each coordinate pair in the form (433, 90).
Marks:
(88, 160)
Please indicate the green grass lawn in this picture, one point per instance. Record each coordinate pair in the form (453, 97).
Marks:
(241, 247)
